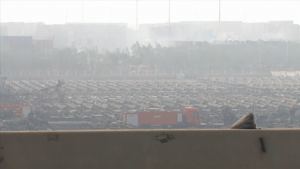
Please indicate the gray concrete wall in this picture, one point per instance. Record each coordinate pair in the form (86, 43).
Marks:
(152, 149)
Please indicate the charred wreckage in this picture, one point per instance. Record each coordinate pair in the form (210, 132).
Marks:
(215, 102)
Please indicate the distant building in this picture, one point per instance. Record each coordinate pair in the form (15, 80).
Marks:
(253, 31)
(103, 35)
(79, 35)
(3, 31)
(16, 43)
(117, 35)
(131, 37)
(21, 28)
(57, 33)
(217, 31)
(281, 30)
(43, 46)
(190, 31)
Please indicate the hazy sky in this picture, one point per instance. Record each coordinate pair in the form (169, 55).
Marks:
(59, 12)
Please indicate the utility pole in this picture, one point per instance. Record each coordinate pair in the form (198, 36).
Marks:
(82, 12)
(67, 14)
(169, 11)
(219, 10)
(169, 20)
(137, 15)
(110, 11)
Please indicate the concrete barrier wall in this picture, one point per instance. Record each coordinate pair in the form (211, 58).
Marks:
(151, 149)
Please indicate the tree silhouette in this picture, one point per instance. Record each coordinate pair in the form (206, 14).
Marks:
(202, 56)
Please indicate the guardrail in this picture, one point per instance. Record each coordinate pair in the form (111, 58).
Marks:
(151, 149)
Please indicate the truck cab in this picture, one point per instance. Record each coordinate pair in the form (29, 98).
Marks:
(191, 116)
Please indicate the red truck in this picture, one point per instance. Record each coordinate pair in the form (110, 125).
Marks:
(188, 117)
(18, 109)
